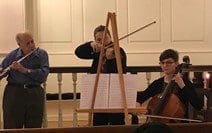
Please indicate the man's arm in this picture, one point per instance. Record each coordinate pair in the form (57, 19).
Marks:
(85, 51)
(192, 96)
(40, 74)
(1, 70)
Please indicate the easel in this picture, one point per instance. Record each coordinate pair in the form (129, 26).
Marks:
(111, 17)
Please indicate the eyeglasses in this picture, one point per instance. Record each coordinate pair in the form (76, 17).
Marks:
(167, 63)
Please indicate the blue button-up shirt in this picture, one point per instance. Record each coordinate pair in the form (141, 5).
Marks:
(37, 62)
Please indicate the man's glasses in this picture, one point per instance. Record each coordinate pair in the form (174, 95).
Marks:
(167, 63)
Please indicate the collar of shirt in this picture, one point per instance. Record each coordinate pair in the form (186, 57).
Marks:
(20, 53)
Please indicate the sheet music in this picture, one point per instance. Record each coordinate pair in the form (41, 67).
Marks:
(101, 101)
(108, 91)
(131, 87)
(86, 91)
(87, 87)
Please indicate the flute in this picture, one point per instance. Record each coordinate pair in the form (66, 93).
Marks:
(8, 68)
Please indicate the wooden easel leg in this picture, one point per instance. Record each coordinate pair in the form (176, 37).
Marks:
(119, 65)
(90, 119)
(101, 60)
(111, 17)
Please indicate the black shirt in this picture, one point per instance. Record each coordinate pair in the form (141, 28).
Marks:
(85, 51)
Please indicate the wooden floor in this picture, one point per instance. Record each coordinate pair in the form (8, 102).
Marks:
(67, 114)
(67, 125)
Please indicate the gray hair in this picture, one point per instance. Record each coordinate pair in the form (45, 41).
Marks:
(19, 36)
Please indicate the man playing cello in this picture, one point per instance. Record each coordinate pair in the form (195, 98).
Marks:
(182, 87)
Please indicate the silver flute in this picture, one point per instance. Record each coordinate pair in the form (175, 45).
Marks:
(8, 68)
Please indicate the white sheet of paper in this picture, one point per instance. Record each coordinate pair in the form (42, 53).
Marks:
(101, 101)
(108, 91)
(131, 87)
(87, 87)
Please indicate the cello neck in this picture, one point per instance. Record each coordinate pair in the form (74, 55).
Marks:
(166, 92)
(163, 98)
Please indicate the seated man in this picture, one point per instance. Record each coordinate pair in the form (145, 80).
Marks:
(182, 87)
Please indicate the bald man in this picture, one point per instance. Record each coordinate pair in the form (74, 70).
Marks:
(23, 99)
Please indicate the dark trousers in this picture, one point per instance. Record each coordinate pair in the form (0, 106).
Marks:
(23, 107)
(108, 119)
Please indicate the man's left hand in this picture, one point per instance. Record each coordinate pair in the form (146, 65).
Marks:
(110, 53)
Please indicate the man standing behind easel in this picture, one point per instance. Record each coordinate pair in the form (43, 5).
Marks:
(91, 50)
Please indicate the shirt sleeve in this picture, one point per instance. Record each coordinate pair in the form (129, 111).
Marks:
(154, 88)
(123, 60)
(112, 62)
(40, 74)
(191, 95)
(85, 51)
(6, 62)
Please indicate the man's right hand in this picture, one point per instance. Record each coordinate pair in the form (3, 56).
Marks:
(96, 46)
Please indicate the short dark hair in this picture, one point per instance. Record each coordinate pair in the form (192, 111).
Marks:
(153, 127)
(169, 53)
(100, 28)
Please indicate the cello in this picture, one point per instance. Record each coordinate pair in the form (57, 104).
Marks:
(167, 104)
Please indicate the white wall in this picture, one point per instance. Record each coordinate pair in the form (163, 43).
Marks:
(12, 17)
(181, 24)
(59, 26)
